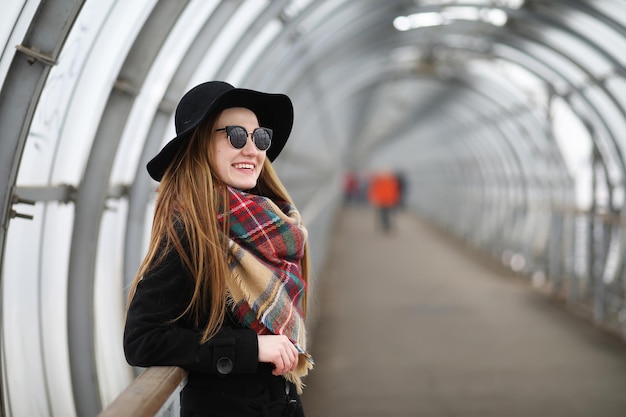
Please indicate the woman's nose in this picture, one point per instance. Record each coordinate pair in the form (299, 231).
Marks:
(250, 147)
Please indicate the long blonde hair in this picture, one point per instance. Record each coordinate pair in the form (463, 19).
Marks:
(191, 195)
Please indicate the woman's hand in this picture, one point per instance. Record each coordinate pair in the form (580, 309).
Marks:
(278, 350)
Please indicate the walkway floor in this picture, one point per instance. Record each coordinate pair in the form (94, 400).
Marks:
(411, 325)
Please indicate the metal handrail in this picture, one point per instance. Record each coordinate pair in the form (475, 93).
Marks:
(145, 396)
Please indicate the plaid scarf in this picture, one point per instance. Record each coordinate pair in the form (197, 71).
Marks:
(266, 244)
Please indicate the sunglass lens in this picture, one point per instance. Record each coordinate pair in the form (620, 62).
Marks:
(237, 136)
(262, 138)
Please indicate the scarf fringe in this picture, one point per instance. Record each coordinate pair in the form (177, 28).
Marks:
(305, 364)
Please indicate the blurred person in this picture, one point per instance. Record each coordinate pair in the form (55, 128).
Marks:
(350, 188)
(401, 177)
(384, 195)
(222, 290)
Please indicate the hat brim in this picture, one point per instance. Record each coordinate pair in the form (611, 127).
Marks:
(274, 111)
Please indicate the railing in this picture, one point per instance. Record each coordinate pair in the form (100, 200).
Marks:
(147, 394)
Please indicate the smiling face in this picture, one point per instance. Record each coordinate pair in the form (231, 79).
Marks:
(239, 168)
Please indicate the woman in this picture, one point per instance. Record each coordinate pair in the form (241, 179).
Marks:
(222, 290)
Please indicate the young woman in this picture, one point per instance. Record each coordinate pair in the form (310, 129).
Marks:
(222, 290)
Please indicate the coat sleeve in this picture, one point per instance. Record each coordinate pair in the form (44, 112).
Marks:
(151, 339)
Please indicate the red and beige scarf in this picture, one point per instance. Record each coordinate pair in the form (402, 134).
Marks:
(266, 289)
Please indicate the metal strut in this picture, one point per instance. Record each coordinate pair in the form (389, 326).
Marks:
(35, 54)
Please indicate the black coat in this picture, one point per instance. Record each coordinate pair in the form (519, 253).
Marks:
(225, 377)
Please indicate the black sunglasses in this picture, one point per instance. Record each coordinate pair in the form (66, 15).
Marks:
(238, 137)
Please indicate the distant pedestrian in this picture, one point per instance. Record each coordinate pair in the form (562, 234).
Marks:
(350, 188)
(384, 195)
(401, 177)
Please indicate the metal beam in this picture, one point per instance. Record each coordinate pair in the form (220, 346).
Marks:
(21, 90)
(91, 199)
(20, 94)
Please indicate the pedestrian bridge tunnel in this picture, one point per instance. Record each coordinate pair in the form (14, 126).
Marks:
(505, 118)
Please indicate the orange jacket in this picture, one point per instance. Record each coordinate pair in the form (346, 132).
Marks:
(384, 190)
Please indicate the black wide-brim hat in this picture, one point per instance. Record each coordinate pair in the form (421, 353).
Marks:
(272, 110)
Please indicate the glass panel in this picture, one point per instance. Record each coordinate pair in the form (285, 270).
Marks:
(321, 11)
(532, 64)
(612, 117)
(295, 7)
(605, 144)
(15, 20)
(50, 116)
(602, 35)
(55, 253)
(586, 29)
(180, 39)
(109, 304)
(576, 148)
(228, 37)
(615, 10)
(617, 85)
(11, 12)
(524, 80)
(105, 55)
(35, 312)
(579, 51)
(36, 354)
(22, 344)
(256, 47)
(562, 65)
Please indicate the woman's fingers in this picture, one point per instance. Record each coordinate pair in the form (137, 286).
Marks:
(279, 351)
(286, 357)
(279, 366)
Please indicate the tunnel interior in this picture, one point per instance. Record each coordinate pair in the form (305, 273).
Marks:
(506, 117)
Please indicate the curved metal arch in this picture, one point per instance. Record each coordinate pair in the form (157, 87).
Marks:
(544, 65)
(91, 199)
(303, 61)
(272, 11)
(480, 159)
(536, 40)
(607, 93)
(352, 48)
(598, 309)
(21, 90)
(498, 193)
(487, 148)
(139, 193)
(187, 66)
(587, 8)
(527, 14)
(300, 55)
(597, 313)
(496, 142)
(448, 82)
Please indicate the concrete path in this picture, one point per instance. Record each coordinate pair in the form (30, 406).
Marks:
(411, 325)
